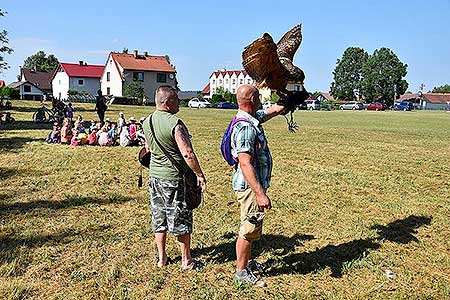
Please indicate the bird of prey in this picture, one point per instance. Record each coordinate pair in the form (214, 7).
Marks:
(271, 65)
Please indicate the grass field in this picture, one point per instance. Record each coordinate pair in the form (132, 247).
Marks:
(354, 194)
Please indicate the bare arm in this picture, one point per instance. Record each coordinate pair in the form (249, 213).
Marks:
(245, 162)
(273, 111)
(184, 144)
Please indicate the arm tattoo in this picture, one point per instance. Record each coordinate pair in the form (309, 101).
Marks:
(184, 135)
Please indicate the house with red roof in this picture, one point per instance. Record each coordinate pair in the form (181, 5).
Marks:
(150, 71)
(81, 77)
(40, 79)
(228, 80)
(429, 101)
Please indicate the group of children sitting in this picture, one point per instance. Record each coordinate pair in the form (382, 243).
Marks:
(107, 134)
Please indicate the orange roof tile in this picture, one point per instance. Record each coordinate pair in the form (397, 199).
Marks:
(206, 89)
(143, 63)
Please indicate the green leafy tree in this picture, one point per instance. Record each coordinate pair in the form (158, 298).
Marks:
(134, 89)
(274, 97)
(41, 62)
(383, 76)
(441, 89)
(4, 48)
(216, 98)
(227, 96)
(220, 91)
(348, 74)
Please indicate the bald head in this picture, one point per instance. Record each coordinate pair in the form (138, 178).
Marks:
(248, 98)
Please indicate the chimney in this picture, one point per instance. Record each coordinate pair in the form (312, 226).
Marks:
(135, 53)
(145, 53)
(81, 63)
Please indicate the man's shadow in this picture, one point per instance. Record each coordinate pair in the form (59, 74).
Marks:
(225, 251)
(335, 257)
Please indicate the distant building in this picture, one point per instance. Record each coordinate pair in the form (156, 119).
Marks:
(81, 77)
(27, 90)
(123, 68)
(231, 81)
(430, 101)
(324, 97)
(40, 79)
(228, 80)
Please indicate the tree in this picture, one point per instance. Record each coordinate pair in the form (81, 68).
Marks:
(348, 74)
(134, 89)
(41, 62)
(383, 76)
(441, 89)
(4, 48)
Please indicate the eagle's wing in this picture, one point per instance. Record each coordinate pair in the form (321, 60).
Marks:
(260, 60)
(289, 43)
(286, 48)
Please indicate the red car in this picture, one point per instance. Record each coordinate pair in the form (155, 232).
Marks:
(375, 106)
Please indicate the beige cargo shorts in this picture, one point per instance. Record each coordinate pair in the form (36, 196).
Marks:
(252, 215)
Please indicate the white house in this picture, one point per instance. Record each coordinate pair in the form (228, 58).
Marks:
(80, 77)
(27, 90)
(123, 68)
(231, 81)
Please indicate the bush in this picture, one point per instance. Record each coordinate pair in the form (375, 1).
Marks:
(183, 103)
(72, 92)
(216, 98)
(7, 92)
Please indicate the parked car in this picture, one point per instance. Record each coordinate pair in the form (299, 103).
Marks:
(227, 105)
(351, 106)
(404, 105)
(198, 103)
(375, 106)
(312, 104)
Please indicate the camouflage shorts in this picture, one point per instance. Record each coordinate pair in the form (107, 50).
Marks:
(168, 208)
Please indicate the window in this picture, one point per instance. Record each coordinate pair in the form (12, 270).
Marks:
(108, 91)
(138, 76)
(296, 88)
(241, 81)
(234, 91)
(249, 81)
(214, 81)
(226, 81)
(27, 88)
(233, 81)
(59, 81)
(214, 90)
(110, 62)
(80, 81)
(108, 76)
(161, 77)
(220, 81)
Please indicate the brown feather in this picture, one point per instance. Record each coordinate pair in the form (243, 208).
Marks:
(260, 60)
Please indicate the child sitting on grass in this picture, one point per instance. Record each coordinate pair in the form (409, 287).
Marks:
(55, 136)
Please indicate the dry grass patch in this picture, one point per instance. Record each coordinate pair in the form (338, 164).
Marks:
(354, 194)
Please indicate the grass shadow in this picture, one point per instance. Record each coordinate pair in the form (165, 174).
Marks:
(225, 251)
(26, 109)
(15, 143)
(402, 231)
(338, 257)
(16, 249)
(26, 125)
(68, 202)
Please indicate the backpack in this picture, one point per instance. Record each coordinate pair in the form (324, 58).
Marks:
(225, 146)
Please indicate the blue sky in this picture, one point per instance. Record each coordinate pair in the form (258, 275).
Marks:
(203, 36)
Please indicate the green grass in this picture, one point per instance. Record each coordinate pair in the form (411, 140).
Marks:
(354, 194)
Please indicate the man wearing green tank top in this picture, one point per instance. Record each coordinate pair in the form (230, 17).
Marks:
(167, 204)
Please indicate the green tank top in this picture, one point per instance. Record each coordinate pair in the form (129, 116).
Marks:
(164, 125)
